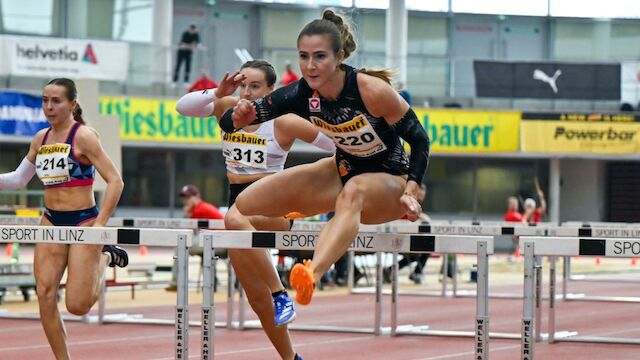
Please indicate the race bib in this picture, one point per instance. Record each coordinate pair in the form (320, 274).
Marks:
(355, 137)
(245, 150)
(52, 164)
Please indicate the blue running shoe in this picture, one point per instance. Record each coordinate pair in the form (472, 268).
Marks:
(298, 357)
(285, 313)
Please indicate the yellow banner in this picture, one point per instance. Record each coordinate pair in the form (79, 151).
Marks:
(144, 119)
(471, 131)
(580, 137)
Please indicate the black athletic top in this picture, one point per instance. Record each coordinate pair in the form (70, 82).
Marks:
(358, 135)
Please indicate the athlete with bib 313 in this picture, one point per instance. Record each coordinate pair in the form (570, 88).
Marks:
(370, 180)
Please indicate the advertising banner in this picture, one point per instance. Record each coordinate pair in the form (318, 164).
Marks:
(57, 57)
(580, 133)
(547, 80)
(145, 120)
(21, 114)
(471, 131)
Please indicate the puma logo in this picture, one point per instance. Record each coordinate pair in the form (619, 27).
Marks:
(540, 75)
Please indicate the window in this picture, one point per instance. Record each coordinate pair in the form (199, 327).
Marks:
(27, 16)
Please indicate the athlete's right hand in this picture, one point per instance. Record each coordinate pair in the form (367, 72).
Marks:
(243, 113)
(229, 84)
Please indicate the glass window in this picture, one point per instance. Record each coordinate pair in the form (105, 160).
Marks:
(624, 41)
(449, 186)
(595, 9)
(205, 169)
(502, 7)
(574, 40)
(27, 16)
(133, 20)
(498, 179)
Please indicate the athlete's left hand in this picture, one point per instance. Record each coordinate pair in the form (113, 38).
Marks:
(413, 207)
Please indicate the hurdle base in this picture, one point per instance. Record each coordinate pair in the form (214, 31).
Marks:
(425, 331)
(255, 324)
(584, 297)
(573, 337)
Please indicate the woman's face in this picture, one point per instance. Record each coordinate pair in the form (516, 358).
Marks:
(317, 60)
(255, 85)
(56, 106)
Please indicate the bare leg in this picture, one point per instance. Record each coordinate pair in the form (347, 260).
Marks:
(259, 278)
(49, 264)
(86, 265)
(367, 198)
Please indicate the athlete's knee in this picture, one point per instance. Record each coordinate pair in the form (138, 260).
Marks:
(352, 193)
(242, 204)
(47, 292)
(78, 306)
(234, 220)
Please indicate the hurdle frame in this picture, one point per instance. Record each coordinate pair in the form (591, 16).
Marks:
(75, 235)
(568, 246)
(379, 242)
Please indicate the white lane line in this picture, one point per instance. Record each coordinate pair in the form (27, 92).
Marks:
(88, 342)
(466, 354)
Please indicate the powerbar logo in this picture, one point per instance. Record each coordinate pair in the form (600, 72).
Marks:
(59, 54)
(610, 134)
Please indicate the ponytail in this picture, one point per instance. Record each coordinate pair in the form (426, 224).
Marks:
(384, 74)
(77, 114)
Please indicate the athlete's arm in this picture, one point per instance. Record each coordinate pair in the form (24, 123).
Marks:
(290, 127)
(285, 100)
(89, 146)
(24, 172)
(203, 103)
(381, 100)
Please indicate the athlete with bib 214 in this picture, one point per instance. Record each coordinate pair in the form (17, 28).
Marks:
(65, 157)
(370, 180)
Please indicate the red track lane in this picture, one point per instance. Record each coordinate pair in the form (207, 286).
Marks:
(24, 339)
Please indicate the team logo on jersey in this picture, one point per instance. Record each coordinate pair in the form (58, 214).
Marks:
(343, 168)
(314, 103)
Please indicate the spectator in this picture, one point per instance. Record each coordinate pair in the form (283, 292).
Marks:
(204, 82)
(289, 75)
(532, 213)
(513, 215)
(195, 208)
(189, 41)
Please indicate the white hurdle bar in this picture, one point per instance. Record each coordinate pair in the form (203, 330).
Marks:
(72, 235)
(566, 246)
(364, 242)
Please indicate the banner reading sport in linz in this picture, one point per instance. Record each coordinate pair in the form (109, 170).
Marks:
(580, 133)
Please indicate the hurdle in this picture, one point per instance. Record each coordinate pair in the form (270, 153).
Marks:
(364, 242)
(566, 246)
(118, 236)
(599, 229)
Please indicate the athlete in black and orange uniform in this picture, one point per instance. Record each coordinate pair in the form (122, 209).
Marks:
(251, 154)
(371, 179)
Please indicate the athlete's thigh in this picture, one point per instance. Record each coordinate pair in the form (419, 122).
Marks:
(82, 266)
(382, 194)
(49, 261)
(309, 189)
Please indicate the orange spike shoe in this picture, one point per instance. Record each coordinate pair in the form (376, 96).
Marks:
(301, 279)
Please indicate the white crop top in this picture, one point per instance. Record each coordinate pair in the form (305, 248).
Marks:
(256, 152)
